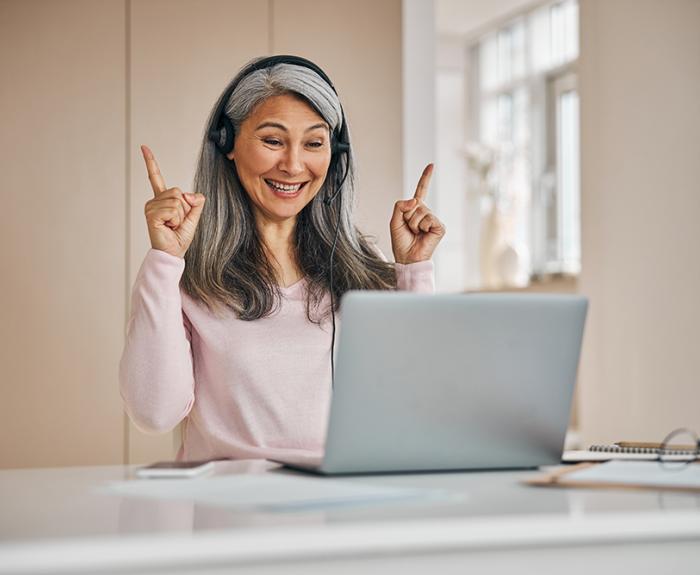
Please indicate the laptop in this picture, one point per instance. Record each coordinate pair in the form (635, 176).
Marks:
(451, 382)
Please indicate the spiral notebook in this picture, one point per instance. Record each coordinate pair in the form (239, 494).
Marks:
(630, 450)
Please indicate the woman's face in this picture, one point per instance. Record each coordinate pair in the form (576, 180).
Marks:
(282, 153)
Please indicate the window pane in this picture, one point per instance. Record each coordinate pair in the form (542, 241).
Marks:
(505, 118)
(553, 35)
(488, 63)
(569, 204)
(504, 56)
(539, 40)
(571, 26)
(522, 178)
(556, 34)
(488, 128)
(521, 117)
(518, 49)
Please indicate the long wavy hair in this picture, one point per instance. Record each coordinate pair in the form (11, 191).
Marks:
(226, 266)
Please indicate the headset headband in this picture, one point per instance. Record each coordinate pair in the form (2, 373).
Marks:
(222, 131)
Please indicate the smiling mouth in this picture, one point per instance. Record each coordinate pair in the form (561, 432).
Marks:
(285, 189)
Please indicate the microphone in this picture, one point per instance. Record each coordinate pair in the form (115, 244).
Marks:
(338, 148)
(341, 147)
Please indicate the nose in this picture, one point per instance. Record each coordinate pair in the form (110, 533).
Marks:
(291, 162)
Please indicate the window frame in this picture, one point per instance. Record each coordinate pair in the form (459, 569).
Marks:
(542, 93)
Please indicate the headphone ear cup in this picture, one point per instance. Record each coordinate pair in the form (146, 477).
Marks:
(229, 134)
(223, 136)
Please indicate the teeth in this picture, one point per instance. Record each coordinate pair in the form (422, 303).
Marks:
(284, 187)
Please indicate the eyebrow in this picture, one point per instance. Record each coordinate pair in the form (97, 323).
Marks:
(284, 128)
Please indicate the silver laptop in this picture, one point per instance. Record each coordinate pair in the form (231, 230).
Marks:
(451, 382)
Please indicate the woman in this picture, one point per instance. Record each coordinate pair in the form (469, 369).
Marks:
(233, 308)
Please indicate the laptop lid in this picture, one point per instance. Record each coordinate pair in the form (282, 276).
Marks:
(454, 381)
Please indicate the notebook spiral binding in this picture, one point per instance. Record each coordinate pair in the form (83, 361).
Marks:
(649, 450)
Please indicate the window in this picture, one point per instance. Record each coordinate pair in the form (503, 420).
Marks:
(523, 145)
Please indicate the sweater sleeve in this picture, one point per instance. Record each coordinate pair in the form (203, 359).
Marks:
(418, 277)
(156, 379)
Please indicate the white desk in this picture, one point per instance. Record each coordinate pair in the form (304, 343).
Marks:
(54, 521)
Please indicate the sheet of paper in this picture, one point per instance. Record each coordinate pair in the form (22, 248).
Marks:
(575, 456)
(270, 492)
(640, 473)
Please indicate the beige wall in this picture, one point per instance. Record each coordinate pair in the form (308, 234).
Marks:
(640, 88)
(62, 146)
(77, 101)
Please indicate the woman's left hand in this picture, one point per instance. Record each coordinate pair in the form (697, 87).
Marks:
(415, 230)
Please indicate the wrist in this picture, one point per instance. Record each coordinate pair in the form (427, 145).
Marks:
(407, 261)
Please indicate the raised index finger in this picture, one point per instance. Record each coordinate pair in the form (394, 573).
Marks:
(154, 175)
(422, 188)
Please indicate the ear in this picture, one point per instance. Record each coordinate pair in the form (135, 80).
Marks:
(230, 156)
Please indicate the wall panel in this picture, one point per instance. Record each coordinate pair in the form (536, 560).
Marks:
(183, 54)
(62, 182)
(640, 89)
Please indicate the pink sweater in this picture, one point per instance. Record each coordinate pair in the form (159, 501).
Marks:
(246, 389)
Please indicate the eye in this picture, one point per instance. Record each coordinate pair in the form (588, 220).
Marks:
(316, 144)
(272, 141)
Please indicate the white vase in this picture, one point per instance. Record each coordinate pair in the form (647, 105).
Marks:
(490, 244)
(513, 265)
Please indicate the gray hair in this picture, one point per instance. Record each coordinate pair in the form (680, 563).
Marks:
(226, 266)
(284, 79)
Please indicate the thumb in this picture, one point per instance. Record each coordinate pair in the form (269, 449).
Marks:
(194, 199)
(400, 208)
(406, 205)
(197, 203)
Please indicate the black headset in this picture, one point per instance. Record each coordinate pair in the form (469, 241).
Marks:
(222, 132)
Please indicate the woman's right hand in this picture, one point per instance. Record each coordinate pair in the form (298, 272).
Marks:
(172, 216)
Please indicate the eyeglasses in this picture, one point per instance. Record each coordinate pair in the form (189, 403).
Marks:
(679, 448)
